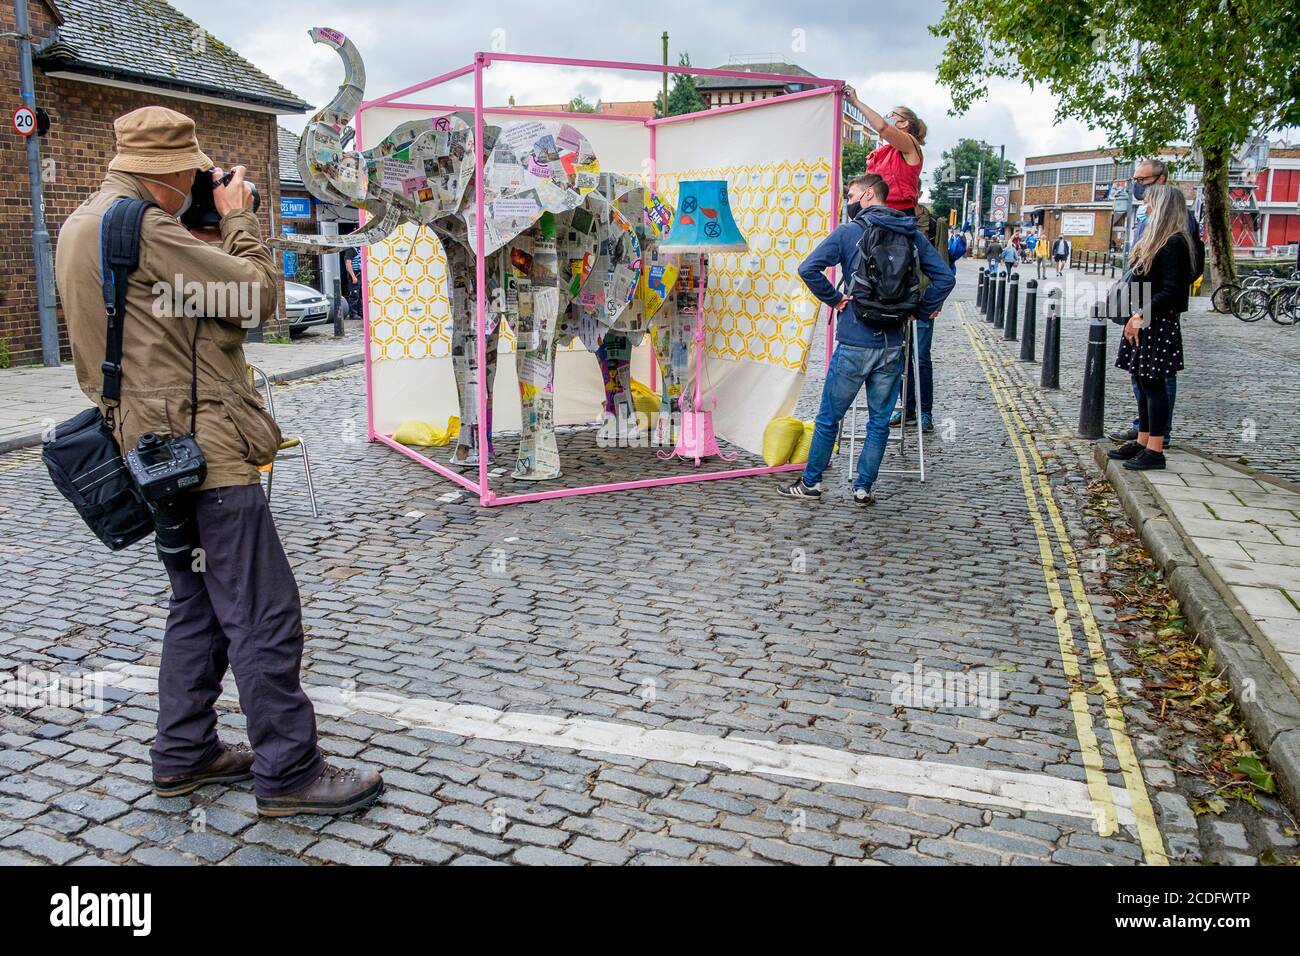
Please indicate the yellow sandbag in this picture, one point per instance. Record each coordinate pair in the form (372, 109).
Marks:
(424, 433)
(804, 445)
(779, 439)
(645, 401)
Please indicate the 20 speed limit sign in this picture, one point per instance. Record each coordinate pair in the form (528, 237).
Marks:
(24, 121)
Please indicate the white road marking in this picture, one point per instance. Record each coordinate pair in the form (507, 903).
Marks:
(1003, 789)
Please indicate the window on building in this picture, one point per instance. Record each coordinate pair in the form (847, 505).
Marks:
(1076, 174)
(1104, 173)
(1123, 171)
(1041, 177)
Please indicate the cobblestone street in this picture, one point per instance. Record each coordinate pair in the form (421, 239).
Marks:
(703, 673)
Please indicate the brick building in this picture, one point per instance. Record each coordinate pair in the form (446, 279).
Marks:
(1076, 193)
(93, 61)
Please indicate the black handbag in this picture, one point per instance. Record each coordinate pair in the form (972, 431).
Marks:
(82, 456)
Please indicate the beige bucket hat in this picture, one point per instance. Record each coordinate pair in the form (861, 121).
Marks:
(154, 139)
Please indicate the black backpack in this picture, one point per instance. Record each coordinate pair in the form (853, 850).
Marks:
(82, 456)
(886, 283)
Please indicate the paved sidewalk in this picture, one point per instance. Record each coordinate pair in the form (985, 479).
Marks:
(1248, 530)
(32, 398)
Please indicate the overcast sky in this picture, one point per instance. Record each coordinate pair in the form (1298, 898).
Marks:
(403, 42)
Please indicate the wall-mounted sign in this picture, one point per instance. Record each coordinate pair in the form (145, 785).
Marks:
(1077, 223)
(295, 207)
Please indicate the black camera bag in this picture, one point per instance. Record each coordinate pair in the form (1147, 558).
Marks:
(82, 456)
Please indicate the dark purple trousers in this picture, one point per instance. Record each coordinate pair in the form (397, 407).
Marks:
(241, 610)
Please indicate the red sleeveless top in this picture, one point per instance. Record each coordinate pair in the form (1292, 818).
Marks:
(904, 179)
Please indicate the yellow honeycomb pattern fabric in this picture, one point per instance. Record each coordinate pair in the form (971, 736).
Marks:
(756, 307)
(410, 313)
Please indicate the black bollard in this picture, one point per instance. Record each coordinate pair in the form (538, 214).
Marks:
(1051, 376)
(1000, 303)
(1092, 404)
(1013, 308)
(1030, 330)
(979, 288)
(990, 296)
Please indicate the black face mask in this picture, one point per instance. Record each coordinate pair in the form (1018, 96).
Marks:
(853, 209)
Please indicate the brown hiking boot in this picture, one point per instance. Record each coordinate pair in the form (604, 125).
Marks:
(337, 790)
(234, 763)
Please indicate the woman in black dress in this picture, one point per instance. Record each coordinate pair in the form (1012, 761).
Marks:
(1152, 350)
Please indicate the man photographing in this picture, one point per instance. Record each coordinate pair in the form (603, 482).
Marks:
(234, 601)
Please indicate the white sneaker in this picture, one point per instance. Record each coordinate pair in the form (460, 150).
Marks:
(864, 496)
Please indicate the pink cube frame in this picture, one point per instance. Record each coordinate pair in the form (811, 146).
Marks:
(482, 487)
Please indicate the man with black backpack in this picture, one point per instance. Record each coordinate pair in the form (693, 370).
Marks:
(882, 257)
(157, 317)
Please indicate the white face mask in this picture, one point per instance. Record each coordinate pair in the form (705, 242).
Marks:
(189, 198)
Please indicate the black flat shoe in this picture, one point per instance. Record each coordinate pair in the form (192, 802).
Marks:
(1125, 452)
(1148, 460)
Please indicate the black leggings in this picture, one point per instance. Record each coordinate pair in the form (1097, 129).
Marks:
(1153, 405)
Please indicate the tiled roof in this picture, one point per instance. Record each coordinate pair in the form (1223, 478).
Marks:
(153, 43)
(735, 83)
(289, 178)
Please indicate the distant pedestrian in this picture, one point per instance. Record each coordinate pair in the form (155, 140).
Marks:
(1041, 251)
(1061, 250)
(1161, 266)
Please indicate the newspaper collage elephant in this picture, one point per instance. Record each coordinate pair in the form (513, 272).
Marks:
(570, 254)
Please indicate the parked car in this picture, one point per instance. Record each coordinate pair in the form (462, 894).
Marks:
(305, 307)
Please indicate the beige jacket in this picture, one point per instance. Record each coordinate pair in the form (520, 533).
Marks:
(180, 284)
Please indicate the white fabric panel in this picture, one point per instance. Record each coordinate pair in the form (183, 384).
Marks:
(424, 389)
(620, 147)
(801, 129)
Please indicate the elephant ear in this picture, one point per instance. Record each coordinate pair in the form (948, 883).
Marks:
(531, 168)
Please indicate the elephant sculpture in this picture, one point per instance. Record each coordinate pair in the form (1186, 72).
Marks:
(570, 253)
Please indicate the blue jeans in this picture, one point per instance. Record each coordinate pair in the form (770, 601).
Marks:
(1171, 389)
(882, 371)
(924, 336)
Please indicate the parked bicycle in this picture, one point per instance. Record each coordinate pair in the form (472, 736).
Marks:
(1257, 294)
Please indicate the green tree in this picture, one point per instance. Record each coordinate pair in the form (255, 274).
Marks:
(684, 97)
(853, 159)
(580, 104)
(1147, 72)
(966, 157)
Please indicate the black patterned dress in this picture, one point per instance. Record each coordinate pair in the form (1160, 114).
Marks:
(1163, 292)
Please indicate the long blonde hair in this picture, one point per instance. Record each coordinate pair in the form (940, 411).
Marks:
(1166, 218)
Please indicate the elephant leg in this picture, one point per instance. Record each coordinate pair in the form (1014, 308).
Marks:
(539, 454)
(464, 354)
(615, 358)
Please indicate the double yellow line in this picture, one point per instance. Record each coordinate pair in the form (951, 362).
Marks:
(1026, 452)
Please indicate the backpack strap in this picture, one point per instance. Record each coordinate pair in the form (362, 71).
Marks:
(119, 234)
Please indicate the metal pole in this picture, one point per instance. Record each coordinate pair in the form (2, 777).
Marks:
(1092, 404)
(41, 253)
(665, 74)
(1013, 306)
(1051, 375)
(979, 200)
(991, 294)
(979, 287)
(1030, 331)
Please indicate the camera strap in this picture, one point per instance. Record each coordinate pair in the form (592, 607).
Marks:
(119, 235)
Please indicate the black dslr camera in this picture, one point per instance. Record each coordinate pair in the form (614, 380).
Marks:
(202, 213)
(167, 470)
